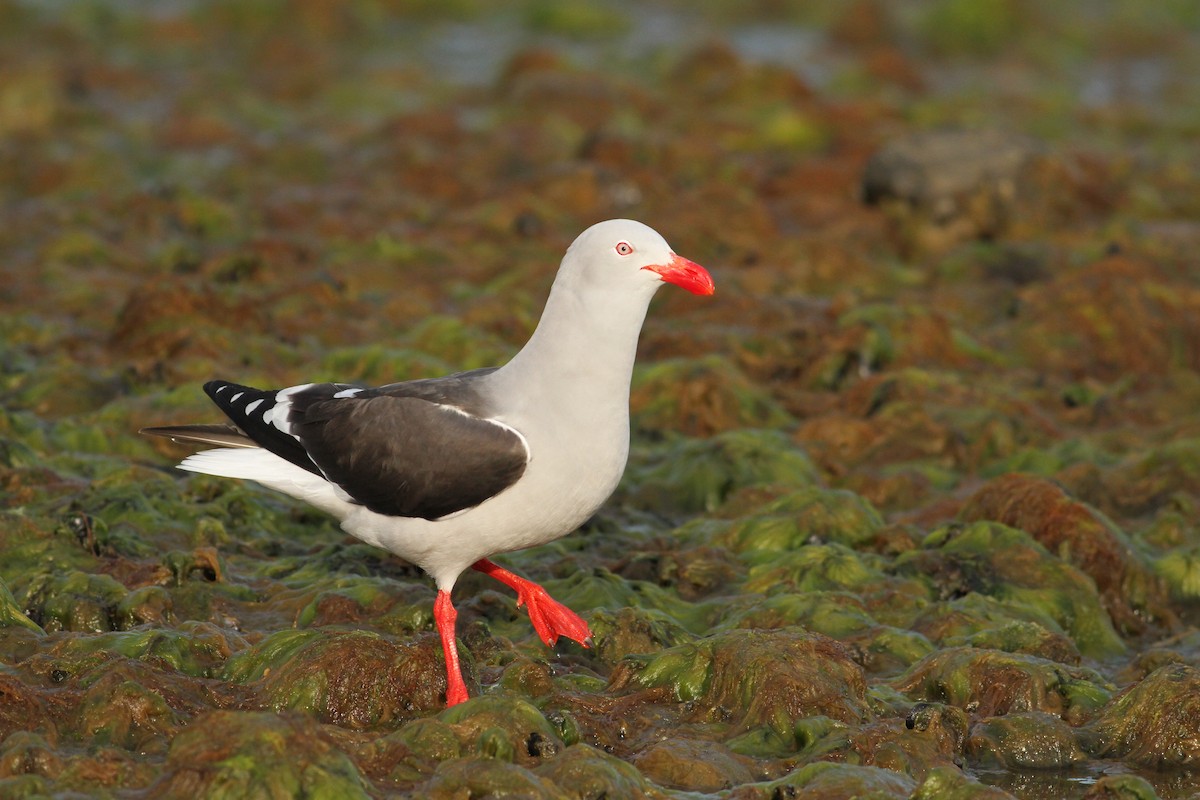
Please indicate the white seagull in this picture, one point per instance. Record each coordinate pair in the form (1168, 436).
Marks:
(447, 472)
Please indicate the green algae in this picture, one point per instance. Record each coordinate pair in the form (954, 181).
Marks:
(1008, 564)
(74, 601)
(583, 771)
(601, 589)
(822, 567)
(952, 784)
(507, 728)
(126, 714)
(809, 515)
(842, 780)
(377, 681)
(629, 631)
(1153, 723)
(992, 682)
(198, 649)
(699, 475)
(226, 754)
(775, 676)
(1024, 741)
(11, 614)
(699, 765)
(701, 397)
(833, 613)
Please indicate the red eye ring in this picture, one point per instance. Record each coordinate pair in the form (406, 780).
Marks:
(623, 248)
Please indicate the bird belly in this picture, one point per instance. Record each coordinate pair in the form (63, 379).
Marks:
(555, 496)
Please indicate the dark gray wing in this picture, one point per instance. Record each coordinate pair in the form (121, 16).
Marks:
(416, 449)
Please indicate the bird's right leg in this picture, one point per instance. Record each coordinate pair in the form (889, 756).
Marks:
(444, 616)
(550, 618)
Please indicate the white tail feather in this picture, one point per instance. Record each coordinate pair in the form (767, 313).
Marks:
(262, 466)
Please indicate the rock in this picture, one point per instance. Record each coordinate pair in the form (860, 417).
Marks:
(1082, 536)
(770, 677)
(699, 474)
(700, 397)
(506, 727)
(810, 515)
(356, 679)
(585, 773)
(991, 559)
(949, 185)
(949, 783)
(991, 683)
(1154, 723)
(243, 754)
(1024, 740)
(1121, 787)
(693, 765)
(825, 779)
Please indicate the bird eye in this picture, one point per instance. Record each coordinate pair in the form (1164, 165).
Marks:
(624, 248)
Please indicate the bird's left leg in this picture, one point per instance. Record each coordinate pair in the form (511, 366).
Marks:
(550, 618)
(445, 617)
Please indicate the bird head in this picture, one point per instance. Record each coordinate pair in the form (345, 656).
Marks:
(623, 253)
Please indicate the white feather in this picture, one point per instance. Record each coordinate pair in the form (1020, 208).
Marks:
(263, 466)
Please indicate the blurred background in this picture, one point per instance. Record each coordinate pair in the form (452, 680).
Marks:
(952, 240)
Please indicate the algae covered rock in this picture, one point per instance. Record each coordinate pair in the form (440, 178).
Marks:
(700, 397)
(1081, 536)
(991, 682)
(811, 515)
(991, 559)
(486, 777)
(769, 677)
(357, 679)
(949, 185)
(949, 783)
(693, 765)
(700, 474)
(1155, 723)
(1024, 740)
(824, 779)
(628, 631)
(1121, 787)
(581, 772)
(75, 601)
(504, 727)
(244, 754)
(11, 613)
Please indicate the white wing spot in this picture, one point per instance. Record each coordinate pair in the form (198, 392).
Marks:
(282, 393)
(346, 393)
(250, 407)
(235, 397)
(221, 389)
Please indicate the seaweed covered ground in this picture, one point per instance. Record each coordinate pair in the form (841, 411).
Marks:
(914, 503)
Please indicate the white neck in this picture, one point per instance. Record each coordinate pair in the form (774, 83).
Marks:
(583, 350)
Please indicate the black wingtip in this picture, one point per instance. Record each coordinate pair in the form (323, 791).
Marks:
(154, 430)
(212, 387)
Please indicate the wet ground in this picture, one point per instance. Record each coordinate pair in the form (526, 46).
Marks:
(914, 503)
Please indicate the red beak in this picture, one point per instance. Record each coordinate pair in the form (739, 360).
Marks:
(686, 274)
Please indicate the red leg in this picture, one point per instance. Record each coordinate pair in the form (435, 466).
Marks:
(445, 616)
(550, 618)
